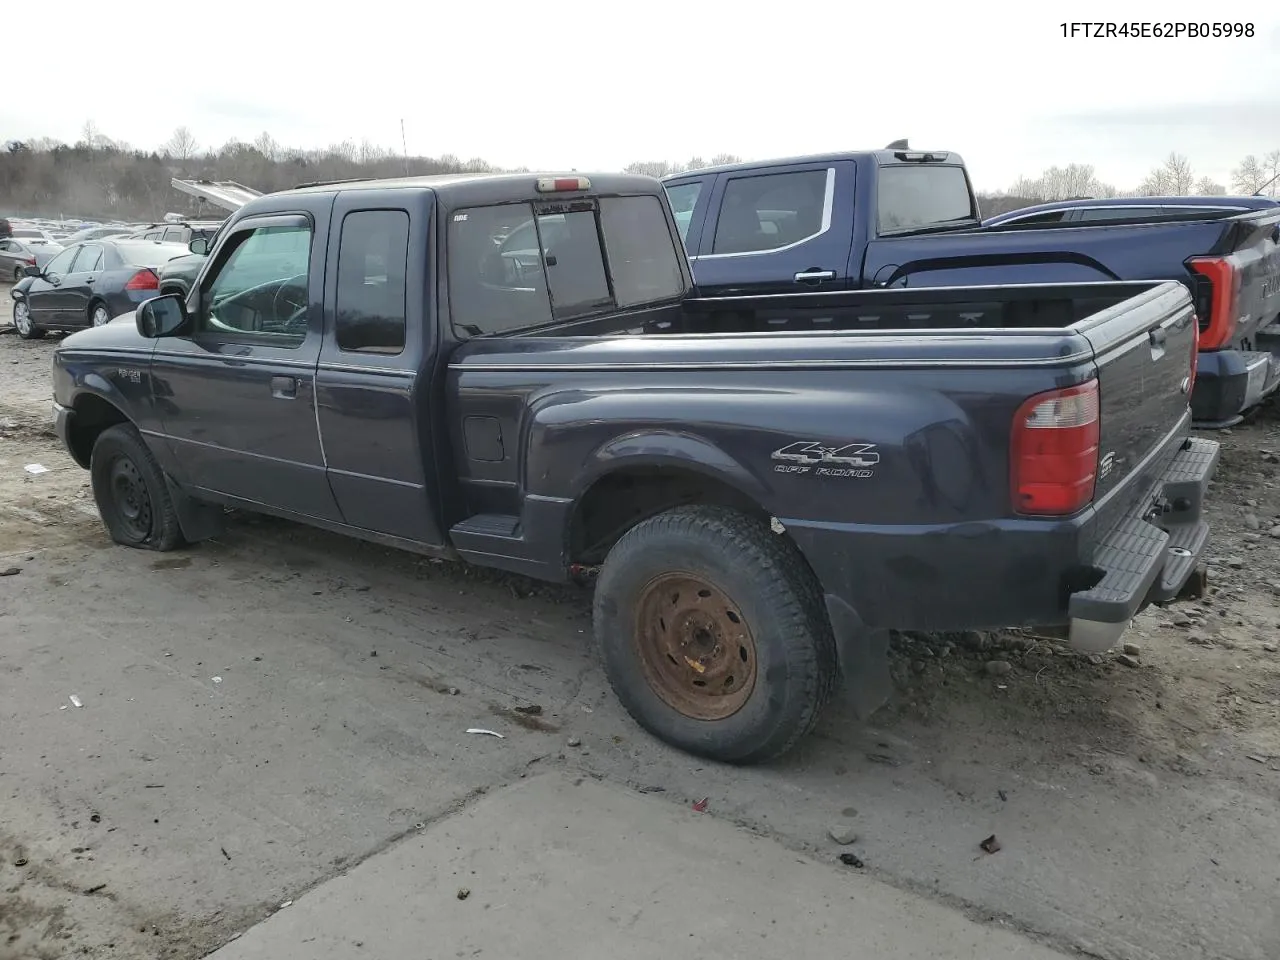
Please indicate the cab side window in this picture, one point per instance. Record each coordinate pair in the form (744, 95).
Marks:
(373, 258)
(259, 291)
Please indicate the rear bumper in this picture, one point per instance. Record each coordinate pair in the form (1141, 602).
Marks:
(1147, 558)
(1231, 382)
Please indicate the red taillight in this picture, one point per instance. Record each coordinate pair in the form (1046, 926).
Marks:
(30, 261)
(1053, 451)
(144, 279)
(1224, 280)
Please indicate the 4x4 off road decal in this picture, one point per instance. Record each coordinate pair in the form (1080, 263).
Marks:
(822, 460)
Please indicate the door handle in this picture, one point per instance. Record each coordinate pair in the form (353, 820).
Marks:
(1158, 337)
(815, 275)
(88, 279)
(284, 388)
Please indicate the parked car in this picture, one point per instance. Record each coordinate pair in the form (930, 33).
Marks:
(25, 231)
(88, 284)
(18, 254)
(182, 232)
(98, 232)
(902, 217)
(1095, 212)
(764, 486)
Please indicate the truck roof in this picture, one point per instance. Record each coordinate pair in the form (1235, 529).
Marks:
(487, 187)
(881, 157)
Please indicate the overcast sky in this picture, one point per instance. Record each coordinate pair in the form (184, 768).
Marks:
(559, 84)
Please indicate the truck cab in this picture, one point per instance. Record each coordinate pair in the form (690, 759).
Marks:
(804, 223)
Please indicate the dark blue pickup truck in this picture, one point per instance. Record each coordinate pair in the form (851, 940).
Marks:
(509, 370)
(901, 217)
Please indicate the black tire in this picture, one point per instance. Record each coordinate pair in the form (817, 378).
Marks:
(22, 322)
(18, 274)
(130, 490)
(764, 586)
(93, 306)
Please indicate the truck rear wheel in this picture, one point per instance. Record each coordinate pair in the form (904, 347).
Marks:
(713, 634)
(130, 490)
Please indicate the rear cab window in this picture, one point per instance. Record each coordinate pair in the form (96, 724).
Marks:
(915, 196)
(522, 265)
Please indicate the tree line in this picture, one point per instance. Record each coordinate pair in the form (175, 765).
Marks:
(104, 179)
(1172, 178)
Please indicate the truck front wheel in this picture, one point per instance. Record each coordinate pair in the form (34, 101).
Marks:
(130, 490)
(714, 635)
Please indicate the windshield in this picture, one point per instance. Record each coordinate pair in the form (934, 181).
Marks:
(912, 196)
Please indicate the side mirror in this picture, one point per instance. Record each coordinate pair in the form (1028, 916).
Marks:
(161, 316)
(30, 270)
(199, 245)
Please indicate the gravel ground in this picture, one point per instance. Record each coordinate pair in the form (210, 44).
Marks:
(262, 712)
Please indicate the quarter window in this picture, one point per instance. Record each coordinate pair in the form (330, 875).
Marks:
(373, 258)
(260, 290)
(771, 211)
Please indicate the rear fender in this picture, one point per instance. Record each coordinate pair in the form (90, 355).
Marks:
(673, 450)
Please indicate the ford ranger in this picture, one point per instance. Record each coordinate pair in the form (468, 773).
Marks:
(510, 370)
(901, 217)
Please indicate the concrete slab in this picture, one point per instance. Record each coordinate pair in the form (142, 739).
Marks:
(560, 868)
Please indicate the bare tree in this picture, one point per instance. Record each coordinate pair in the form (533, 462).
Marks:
(182, 145)
(649, 168)
(1177, 178)
(1248, 177)
(724, 159)
(267, 146)
(1271, 167)
(1207, 187)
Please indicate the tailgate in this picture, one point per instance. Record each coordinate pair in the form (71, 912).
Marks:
(1144, 349)
(1238, 282)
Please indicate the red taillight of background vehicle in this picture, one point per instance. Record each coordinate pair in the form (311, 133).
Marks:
(1224, 298)
(1053, 452)
(144, 279)
(30, 261)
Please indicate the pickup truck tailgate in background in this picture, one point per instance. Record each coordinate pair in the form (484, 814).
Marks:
(1255, 250)
(1143, 350)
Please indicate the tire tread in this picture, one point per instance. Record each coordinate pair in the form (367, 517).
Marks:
(794, 594)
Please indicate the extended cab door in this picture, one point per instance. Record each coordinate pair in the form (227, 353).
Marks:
(236, 396)
(376, 407)
(787, 229)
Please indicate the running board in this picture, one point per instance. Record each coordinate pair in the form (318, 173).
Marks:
(496, 540)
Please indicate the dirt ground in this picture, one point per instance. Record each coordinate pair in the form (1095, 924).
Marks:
(264, 711)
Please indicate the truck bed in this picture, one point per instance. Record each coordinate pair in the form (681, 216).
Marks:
(1049, 308)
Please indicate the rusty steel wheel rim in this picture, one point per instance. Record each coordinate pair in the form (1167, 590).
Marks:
(696, 647)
